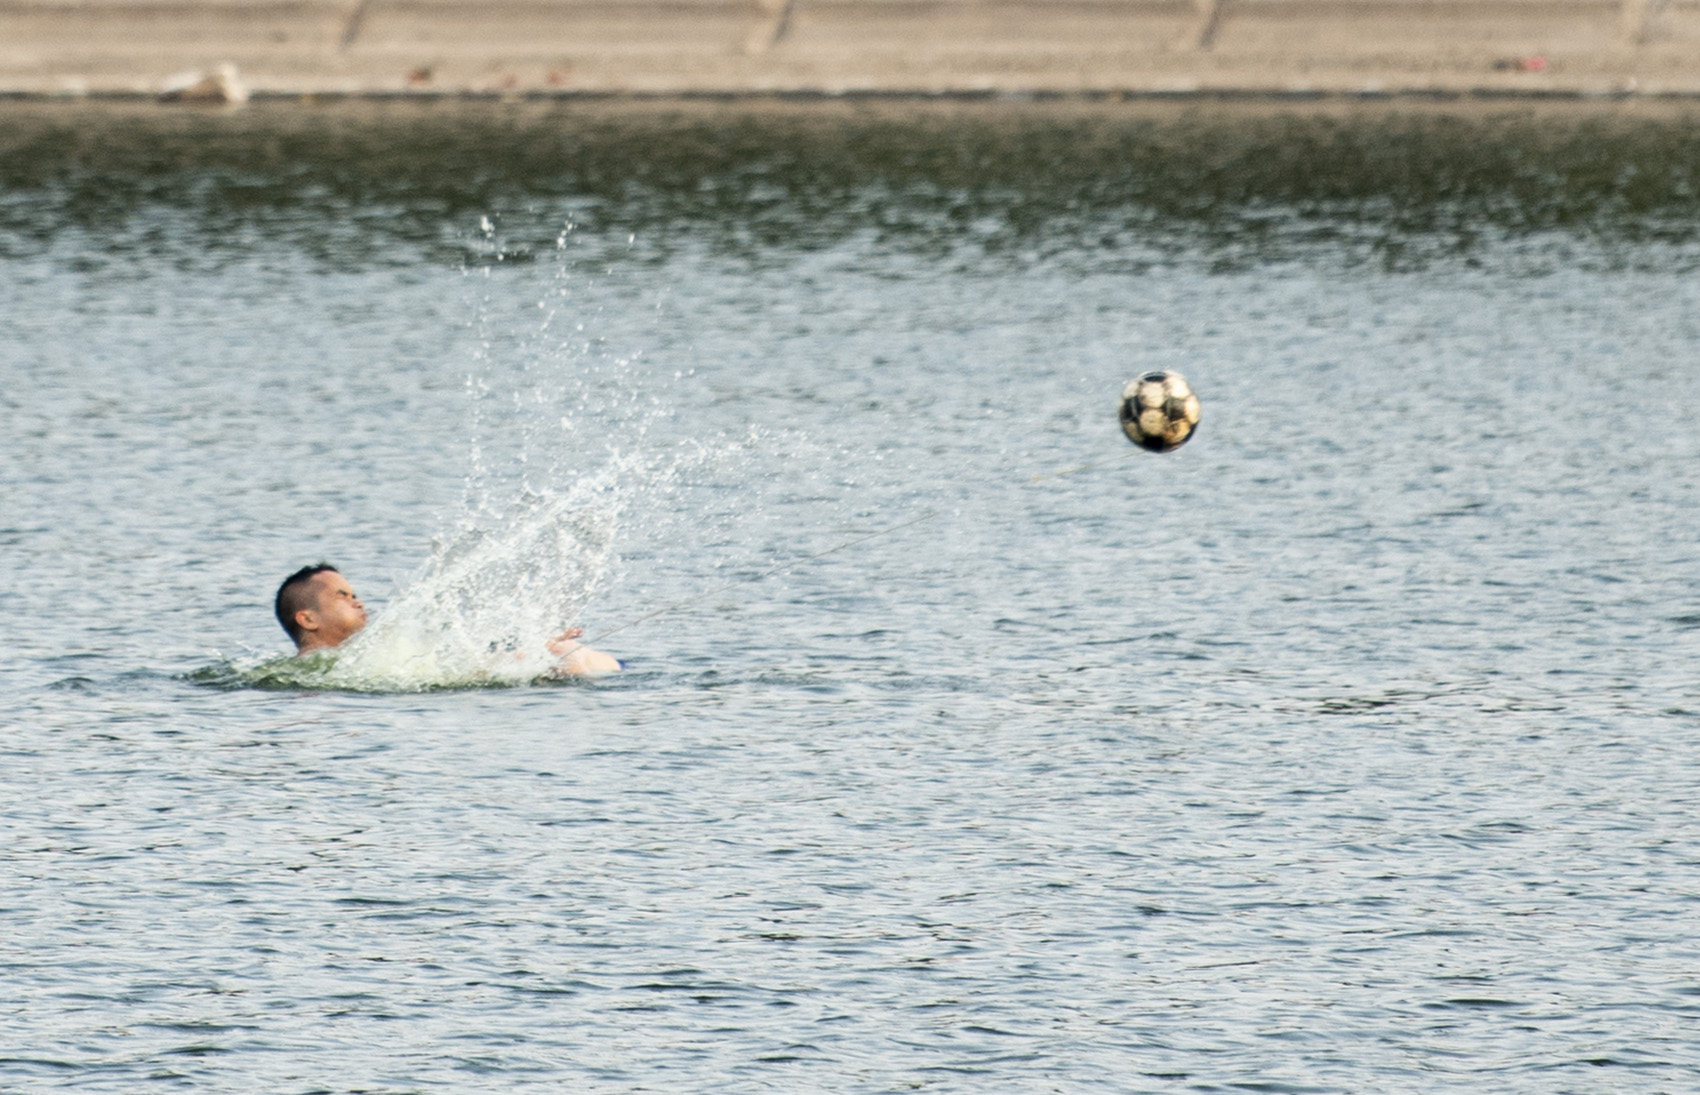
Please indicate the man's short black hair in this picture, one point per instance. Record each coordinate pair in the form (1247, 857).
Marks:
(292, 597)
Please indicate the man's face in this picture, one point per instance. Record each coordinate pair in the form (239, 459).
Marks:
(336, 613)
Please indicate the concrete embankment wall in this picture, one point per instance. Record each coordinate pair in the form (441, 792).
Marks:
(1111, 47)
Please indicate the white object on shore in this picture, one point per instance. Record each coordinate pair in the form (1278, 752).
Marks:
(224, 85)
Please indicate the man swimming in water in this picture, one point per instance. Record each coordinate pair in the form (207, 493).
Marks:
(319, 610)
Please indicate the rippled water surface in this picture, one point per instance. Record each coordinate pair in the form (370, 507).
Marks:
(1349, 748)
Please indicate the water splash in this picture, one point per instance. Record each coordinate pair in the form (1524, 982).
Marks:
(489, 599)
(535, 534)
(482, 609)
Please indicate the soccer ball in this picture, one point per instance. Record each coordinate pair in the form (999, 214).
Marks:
(1159, 411)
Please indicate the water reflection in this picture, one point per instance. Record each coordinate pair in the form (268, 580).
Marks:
(1099, 185)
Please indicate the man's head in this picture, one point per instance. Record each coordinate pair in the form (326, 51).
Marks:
(318, 608)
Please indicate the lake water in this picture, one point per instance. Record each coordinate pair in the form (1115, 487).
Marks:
(1348, 748)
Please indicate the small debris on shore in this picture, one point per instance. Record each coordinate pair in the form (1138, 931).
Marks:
(1537, 63)
(222, 86)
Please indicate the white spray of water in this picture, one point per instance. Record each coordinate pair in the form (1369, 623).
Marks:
(536, 531)
(485, 605)
(482, 609)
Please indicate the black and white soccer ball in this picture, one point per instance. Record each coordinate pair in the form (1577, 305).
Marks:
(1159, 411)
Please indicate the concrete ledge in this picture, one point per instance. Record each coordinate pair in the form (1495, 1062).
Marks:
(859, 47)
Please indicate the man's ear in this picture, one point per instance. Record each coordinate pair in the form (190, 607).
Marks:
(307, 620)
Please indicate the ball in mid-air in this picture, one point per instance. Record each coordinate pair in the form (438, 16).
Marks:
(1159, 411)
